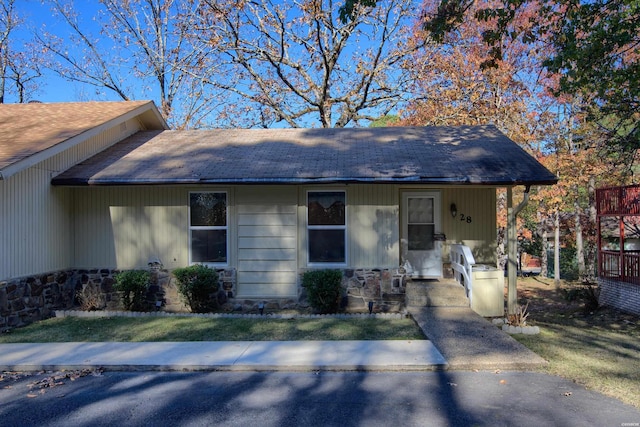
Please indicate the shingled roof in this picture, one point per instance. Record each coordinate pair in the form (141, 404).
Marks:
(31, 132)
(427, 155)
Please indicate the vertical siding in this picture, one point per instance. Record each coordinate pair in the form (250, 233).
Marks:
(267, 230)
(35, 233)
(373, 225)
(123, 227)
(479, 231)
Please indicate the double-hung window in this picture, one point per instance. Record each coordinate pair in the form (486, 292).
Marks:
(208, 227)
(326, 227)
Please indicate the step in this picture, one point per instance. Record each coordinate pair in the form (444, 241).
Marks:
(435, 293)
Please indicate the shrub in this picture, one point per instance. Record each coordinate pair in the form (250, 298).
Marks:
(196, 284)
(132, 285)
(591, 296)
(91, 298)
(324, 288)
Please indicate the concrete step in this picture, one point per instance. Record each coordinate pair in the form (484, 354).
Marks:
(435, 293)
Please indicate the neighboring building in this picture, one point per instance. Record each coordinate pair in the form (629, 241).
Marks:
(107, 186)
(618, 210)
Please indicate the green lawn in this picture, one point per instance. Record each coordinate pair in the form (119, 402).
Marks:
(599, 350)
(74, 329)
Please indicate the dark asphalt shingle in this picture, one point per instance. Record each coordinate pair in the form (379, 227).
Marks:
(438, 155)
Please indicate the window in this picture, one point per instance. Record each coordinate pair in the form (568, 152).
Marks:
(327, 227)
(420, 223)
(208, 227)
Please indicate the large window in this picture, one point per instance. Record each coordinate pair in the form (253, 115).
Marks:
(327, 227)
(208, 227)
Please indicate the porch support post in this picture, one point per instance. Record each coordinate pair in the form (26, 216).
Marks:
(512, 247)
(512, 252)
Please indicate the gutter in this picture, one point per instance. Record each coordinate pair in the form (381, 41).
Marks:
(523, 203)
(512, 250)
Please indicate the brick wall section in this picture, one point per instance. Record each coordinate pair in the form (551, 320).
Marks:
(620, 295)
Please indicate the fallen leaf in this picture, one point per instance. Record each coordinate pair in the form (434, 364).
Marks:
(503, 381)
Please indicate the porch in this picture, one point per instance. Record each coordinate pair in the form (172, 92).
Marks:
(618, 222)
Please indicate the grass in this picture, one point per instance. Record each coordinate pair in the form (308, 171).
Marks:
(599, 350)
(73, 329)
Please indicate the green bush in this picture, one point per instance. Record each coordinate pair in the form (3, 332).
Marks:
(196, 284)
(324, 288)
(132, 284)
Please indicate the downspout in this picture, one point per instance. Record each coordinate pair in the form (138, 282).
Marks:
(512, 247)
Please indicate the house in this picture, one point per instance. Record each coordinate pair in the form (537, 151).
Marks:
(104, 186)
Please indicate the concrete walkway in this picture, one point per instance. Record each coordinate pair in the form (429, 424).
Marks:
(468, 341)
(417, 355)
(457, 339)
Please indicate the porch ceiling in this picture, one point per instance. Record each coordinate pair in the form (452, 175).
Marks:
(425, 155)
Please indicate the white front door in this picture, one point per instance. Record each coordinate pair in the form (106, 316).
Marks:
(420, 227)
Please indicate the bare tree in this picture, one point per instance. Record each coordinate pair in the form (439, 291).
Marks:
(144, 48)
(19, 69)
(298, 63)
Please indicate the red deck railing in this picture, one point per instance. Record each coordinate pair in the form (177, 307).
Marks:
(624, 269)
(622, 203)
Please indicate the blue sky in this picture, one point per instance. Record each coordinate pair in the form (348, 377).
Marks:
(138, 81)
(52, 88)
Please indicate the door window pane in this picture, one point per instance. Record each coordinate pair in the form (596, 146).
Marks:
(420, 210)
(420, 237)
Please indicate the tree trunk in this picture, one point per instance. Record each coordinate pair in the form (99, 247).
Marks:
(556, 251)
(582, 271)
(593, 220)
(544, 256)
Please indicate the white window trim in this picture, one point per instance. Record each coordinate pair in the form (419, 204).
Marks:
(212, 227)
(328, 227)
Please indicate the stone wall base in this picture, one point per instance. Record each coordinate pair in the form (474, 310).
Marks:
(381, 290)
(620, 295)
(29, 299)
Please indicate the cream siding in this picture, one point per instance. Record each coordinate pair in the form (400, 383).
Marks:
(124, 227)
(267, 229)
(36, 235)
(373, 226)
(478, 227)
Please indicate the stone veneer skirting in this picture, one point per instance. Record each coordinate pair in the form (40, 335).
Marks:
(32, 298)
(620, 295)
(28, 299)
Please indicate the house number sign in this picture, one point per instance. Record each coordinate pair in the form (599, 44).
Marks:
(465, 218)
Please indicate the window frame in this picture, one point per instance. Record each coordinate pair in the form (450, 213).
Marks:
(209, 227)
(327, 227)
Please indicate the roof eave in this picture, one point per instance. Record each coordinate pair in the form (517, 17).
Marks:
(80, 182)
(147, 114)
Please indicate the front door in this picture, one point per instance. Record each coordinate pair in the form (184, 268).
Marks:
(420, 229)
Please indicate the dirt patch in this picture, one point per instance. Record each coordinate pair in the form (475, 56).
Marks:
(569, 305)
